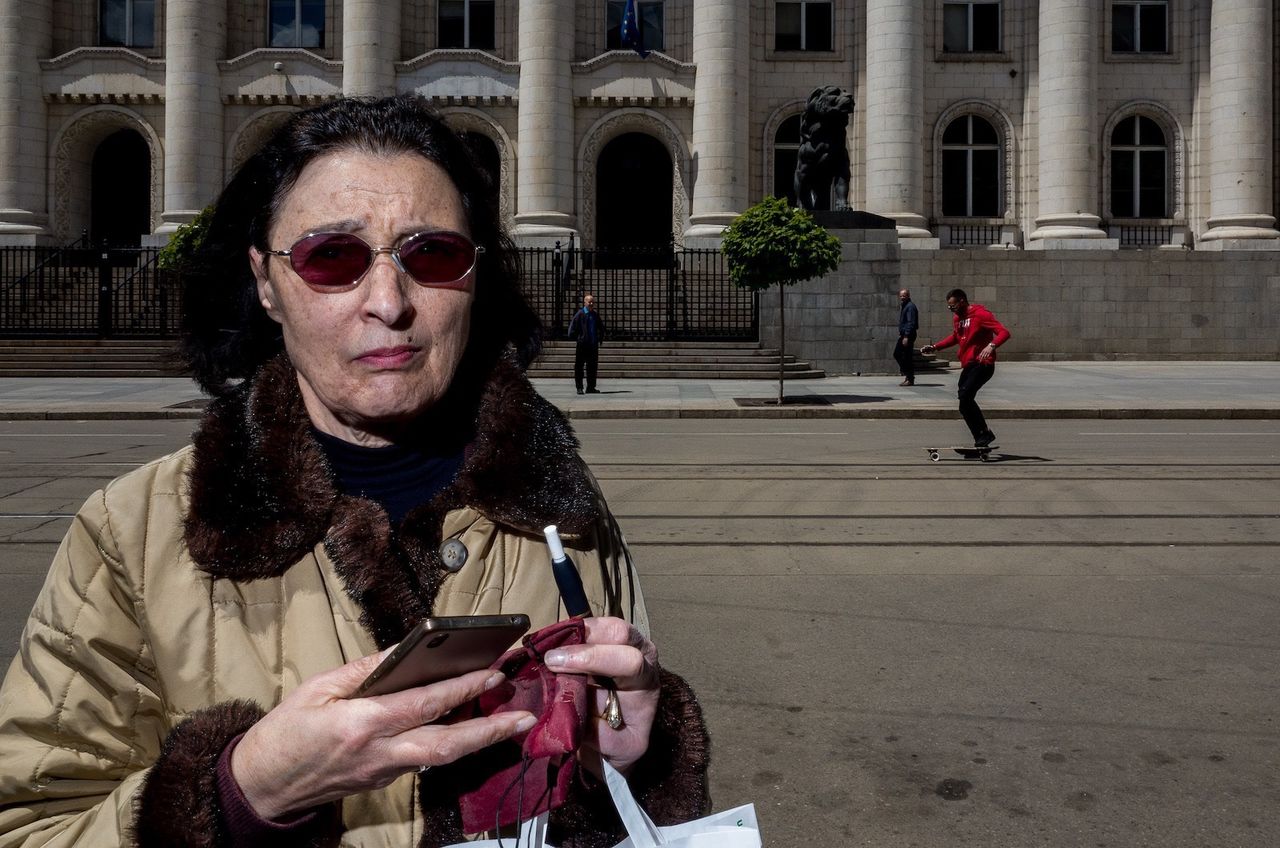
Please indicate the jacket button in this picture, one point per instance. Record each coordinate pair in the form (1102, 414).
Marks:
(454, 555)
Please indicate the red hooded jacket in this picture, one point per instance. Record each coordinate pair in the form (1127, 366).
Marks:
(977, 329)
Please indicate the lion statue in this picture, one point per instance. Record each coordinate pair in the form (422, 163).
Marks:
(823, 161)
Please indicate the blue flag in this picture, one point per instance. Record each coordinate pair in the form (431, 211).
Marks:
(632, 31)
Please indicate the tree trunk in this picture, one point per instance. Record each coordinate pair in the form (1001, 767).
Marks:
(782, 338)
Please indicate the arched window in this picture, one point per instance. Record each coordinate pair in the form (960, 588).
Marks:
(970, 169)
(1139, 169)
(786, 148)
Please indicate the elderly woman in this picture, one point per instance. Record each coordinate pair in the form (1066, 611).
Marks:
(374, 455)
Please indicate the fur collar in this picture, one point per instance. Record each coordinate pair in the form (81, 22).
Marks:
(262, 494)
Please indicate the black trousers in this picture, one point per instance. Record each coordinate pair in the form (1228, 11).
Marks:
(972, 378)
(904, 354)
(586, 357)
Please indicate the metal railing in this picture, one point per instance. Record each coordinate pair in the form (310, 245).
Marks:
(79, 290)
(644, 294)
(665, 294)
(1144, 235)
(973, 235)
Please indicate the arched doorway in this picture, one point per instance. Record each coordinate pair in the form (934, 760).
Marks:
(490, 161)
(120, 190)
(633, 194)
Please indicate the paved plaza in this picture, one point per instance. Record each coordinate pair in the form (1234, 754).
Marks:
(1072, 645)
(1019, 389)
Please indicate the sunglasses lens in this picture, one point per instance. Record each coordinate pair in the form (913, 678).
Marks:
(330, 260)
(438, 258)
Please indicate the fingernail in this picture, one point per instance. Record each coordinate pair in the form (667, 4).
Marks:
(494, 679)
(525, 723)
(556, 657)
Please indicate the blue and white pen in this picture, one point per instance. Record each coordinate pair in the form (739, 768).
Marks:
(569, 582)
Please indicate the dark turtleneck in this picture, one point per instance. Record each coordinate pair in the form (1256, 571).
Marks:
(396, 477)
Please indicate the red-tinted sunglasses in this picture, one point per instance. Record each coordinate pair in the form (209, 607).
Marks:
(337, 262)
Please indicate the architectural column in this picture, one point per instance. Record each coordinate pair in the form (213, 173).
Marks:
(895, 116)
(1067, 139)
(195, 39)
(26, 37)
(370, 47)
(721, 107)
(545, 149)
(1241, 74)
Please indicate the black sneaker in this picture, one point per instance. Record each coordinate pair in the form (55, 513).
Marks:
(984, 440)
(593, 391)
(579, 391)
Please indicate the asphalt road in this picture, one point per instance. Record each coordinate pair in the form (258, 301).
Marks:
(1074, 645)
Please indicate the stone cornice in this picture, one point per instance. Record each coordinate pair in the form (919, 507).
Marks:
(479, 57)
(278, 99)
(473, 99)
(278, 54)
(86, 99)
(616, 102)
(629, 57)
(81, 54)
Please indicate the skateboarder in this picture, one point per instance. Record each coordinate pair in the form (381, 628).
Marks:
(978, 333)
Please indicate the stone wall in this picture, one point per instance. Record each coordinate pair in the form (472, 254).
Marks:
(1127, 304)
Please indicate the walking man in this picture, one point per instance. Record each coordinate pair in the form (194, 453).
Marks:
(904, 350)
(978, 333)
(587, 329)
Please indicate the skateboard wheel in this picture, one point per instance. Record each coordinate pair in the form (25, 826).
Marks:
(933, 455)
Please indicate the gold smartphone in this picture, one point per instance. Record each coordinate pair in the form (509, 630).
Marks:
(440, 648)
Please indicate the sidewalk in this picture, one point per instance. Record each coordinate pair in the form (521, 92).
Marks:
(1019, 390)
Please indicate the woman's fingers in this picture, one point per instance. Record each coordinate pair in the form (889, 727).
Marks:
(425, 704)
(440, 744)
(614, 649)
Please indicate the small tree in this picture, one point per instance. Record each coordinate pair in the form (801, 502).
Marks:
(773, 243)
(183, 244)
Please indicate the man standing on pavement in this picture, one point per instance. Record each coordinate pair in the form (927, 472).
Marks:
(587, 329)
(978, 333)
(904, 350)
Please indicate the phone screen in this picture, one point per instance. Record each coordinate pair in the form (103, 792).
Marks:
(440, 648)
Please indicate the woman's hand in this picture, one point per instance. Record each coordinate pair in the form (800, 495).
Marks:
(616, 649)
(316, 746)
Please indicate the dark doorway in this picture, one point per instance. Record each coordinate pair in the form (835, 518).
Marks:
(121, 190)
(633, 196)
(486, 153)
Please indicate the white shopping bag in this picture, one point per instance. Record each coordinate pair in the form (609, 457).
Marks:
(734, 828)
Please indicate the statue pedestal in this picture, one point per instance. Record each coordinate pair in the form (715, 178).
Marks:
(851, 219)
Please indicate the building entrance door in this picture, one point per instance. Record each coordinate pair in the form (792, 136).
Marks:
(121, 190)
(633, 196)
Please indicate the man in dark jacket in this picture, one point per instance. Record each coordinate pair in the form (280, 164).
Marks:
(978, 333)
(587, 329)
(904, 350)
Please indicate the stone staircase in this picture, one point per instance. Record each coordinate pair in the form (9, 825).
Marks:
(89, 358)
(676, 360)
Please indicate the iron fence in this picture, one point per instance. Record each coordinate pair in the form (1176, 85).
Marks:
(1144, 235)
(664, 294)
(78, 290)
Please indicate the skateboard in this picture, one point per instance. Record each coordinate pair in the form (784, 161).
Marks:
(966, 452)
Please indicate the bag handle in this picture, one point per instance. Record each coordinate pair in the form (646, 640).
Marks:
(643, 832)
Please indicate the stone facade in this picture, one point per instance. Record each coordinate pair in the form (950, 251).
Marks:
(1058, 304)
(1051, 79)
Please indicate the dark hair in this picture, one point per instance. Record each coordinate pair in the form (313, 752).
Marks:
(227, 335)
(958, 294)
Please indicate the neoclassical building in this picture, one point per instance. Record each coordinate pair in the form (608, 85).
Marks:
(1056, 124)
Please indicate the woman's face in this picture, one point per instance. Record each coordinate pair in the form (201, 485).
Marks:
(371, 359)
